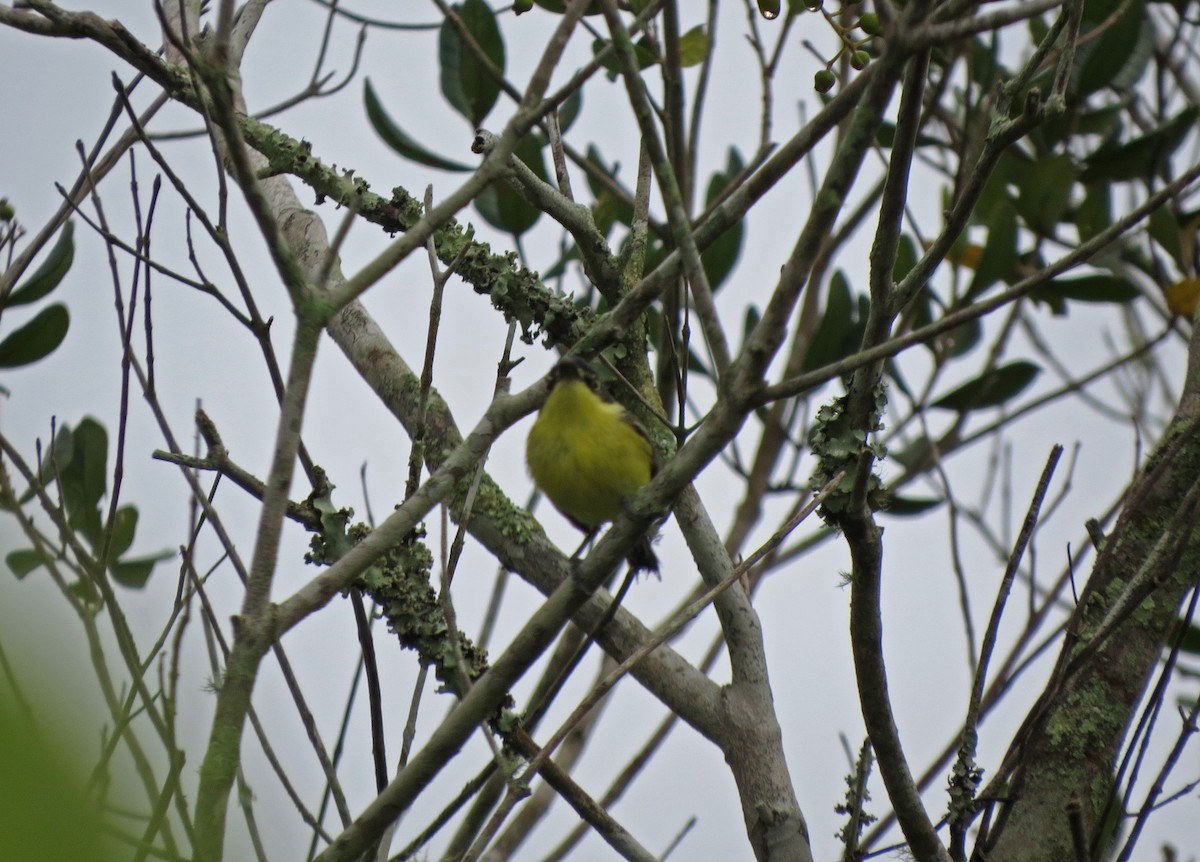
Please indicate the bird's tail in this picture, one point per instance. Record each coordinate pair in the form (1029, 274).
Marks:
(642, 558)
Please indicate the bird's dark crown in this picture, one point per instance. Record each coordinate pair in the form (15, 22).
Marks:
(574, 368)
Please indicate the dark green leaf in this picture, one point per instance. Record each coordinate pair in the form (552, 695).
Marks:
(23, 562)
(1038, 29)
(886, 137)
(719, 258)
(556, 269)
(915, 456)
(124, 526)
(643, 53)
(906, 257)
(607, 211)
(600, 166)
(906, 507)
(85, 591)
(135, 573)
(1043, 197)
(753, 316)
(56, 458)
(1143, 156)
(91, 457)
(569, 110)
(1119, 56)
(1095, 213)
(36, 339)
(608, 208)
(559, 7)
(982, 57)
(1089, 288)
(1164, 228)
(1011, 170)
(835, 335)
(696, 365)
(468, 84)
(920, 310)
(999, 258)
(990, 389)
(964, 338)
(502, 206)
(395, 137)
(1105, 122)
(1188, 640)
(50, 273)
(892, 368)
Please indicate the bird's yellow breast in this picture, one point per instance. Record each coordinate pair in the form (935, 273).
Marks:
(585, 456)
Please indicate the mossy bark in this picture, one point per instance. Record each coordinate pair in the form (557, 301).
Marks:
(1062, 763)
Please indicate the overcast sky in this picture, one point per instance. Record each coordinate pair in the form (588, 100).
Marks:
(59, 91)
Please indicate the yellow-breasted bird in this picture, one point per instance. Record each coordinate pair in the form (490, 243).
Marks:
(589, 455)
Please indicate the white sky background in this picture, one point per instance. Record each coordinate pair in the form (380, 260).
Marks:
(57, 91)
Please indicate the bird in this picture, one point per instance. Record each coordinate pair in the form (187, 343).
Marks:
(589, 455)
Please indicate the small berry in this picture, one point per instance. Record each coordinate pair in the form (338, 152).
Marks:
(824, 80)
(859, 59)
(870, 24)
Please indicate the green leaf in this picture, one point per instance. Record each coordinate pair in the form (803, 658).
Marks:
(1143, 156)
(751, 319)
(886, 136)
(23, 562)
(719, 258)
(964, 338)
(1119, 56)
(559, 7)
(86, 592)
(1012, 168)
(1089, 288)
(569, 110)
(983, 63)
(556, 269)
(643, 53)
(50, 273)
(608, 208)
(85, 480)
(502, 206)
(915, 456)
(1188, 638)
(999, 258)
(1044, 196)
(57, 457)
(892, 369)
(1095, 213)
(839, 334)
(906, 258)
(1163, 226)
(124, 526)
(990, 389)
(693, 46)
(36, 339)
(1105, 123)
(135, 573)
(907, 507)
(467, 83)
(395, 137)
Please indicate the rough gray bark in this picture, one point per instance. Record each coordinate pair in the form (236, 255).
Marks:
(1065, 754)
